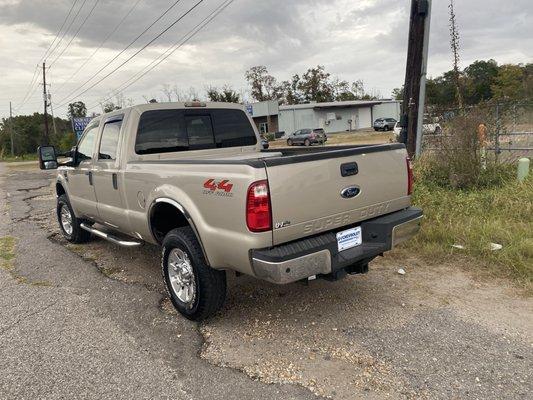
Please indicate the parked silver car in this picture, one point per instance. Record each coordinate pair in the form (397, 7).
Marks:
(307, 137)
(384, 124)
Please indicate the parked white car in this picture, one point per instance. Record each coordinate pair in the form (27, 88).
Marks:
(427, 129)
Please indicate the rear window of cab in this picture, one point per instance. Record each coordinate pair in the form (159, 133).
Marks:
(164, 131)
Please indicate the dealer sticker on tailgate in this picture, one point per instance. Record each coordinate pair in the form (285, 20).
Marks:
(349, 238)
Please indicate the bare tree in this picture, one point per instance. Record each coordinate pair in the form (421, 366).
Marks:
(167, 91)
(454, 43)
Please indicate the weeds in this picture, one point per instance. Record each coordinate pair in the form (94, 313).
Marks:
(498, 210)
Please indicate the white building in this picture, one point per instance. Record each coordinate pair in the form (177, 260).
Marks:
(336, 116)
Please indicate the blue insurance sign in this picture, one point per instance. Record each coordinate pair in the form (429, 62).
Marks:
(79, 124)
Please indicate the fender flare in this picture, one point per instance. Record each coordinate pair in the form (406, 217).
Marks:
(185, 213)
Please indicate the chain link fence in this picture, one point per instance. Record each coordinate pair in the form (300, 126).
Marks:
(503, 130)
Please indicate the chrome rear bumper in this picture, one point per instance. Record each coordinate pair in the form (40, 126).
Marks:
(319, 255)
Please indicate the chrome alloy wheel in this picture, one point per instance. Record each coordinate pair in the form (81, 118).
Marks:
(66, 219)
(181, 276)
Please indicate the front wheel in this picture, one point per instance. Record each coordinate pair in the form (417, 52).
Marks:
(307, 142)
(289, 142)
(69, 223)
(196, 290)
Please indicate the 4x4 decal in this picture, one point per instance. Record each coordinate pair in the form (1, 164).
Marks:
(219, 188)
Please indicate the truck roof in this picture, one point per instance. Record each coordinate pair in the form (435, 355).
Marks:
(176, 105)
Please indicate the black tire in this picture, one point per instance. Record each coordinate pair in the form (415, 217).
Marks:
(289, 142)
(438, 130)
(307, 143)
(76, 234)
(210, 284)
(386, 128)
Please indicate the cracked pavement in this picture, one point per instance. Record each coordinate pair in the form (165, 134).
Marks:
(68, 331)
(93, 321)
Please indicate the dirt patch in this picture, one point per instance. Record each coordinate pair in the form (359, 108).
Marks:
(318, 336)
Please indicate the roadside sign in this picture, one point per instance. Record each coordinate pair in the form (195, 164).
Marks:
(79, 124)
(250, 109)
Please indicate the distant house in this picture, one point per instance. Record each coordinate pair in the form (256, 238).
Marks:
(336, 116)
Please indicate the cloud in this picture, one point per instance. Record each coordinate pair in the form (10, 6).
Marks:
(364, 39)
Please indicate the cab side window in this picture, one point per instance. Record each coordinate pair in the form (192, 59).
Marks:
(86, 144)
(109, 141)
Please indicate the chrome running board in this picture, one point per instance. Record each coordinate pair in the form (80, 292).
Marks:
(110, 238)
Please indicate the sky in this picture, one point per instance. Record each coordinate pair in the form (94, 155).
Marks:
(365, 39)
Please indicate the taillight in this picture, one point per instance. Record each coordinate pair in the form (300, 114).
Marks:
(410, 177)
(258, 213)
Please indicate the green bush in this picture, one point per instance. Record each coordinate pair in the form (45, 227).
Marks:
(270, 137)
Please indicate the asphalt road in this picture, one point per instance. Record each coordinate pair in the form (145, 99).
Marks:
(92, 321)
(68, 331)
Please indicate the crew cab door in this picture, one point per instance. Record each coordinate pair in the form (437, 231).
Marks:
(111, 207)
(82, 196)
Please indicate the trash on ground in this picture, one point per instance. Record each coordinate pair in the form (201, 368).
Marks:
(495, 246)
(401, 271)
(458, 246)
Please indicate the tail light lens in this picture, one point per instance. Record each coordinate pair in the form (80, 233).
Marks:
(410, 177)
(258, 212)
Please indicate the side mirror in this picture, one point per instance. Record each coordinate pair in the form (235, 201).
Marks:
(47, 157)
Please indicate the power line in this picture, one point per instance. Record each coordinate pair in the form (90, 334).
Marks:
(140, 50)
(171, 50)
(67, 29)
(59, 31)
(76, 34)
(100, 46)
(35, 75)
(122, 51)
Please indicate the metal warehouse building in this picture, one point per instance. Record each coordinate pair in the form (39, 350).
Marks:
(337, 116)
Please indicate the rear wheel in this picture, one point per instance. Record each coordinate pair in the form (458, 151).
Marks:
(386, 128)
(289, 142)
(196, 290)
(69, 223)
(307, 142)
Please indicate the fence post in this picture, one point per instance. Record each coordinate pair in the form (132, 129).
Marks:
(498, 131)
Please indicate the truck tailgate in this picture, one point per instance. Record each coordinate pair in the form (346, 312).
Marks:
(307, 190)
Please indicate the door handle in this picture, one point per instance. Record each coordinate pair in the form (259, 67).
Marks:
(115, 181)
(90, 175)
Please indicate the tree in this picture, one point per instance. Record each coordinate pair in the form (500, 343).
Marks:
(479, 77)
(315, 85)
(77, 109)
(397, 93)
(264, 86)
(226, 95)
(29, 129)
(509, 82)
(109, 106)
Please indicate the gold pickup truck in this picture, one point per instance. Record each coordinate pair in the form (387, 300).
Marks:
(194, 179)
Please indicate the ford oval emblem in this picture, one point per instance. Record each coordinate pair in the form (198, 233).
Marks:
(350, 192)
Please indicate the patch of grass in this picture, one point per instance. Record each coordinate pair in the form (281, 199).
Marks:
(23, 157)
(7, 252)
(7, 255)
(474, 218)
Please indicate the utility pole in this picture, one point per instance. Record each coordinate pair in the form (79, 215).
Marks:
(413, 104)
(45, 98)
(11, 130)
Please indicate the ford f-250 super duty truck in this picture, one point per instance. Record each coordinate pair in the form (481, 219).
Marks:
(193, 178)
